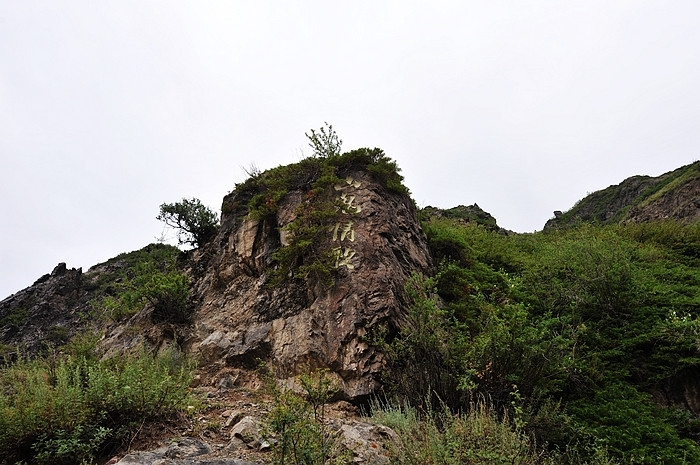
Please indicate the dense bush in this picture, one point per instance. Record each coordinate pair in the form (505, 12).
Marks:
(587, 325)
(147, 281)
(70, 408)
(479, 437)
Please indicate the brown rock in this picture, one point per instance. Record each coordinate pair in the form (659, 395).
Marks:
(303, 325)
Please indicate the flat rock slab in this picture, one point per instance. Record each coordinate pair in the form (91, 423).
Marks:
(183, 451)
(151, 458)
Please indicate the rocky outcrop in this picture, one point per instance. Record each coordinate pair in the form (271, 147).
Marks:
(471, 214)
(44, 314)
(680, 202)
(674, 195)
(305, 324)
(63, 303)
(239, 317)
(367, 443)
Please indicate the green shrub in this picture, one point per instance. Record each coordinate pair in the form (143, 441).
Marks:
(297, 424)
(423, 357)
(161, 285)
(195, 223)
(167, 292)
(18, 317)
(68, 408)
(635, 430)
(570, 317)
(478, 436)
(325, 142)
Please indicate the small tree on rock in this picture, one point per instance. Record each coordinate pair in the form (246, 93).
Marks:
(325, 143)
(194, 222)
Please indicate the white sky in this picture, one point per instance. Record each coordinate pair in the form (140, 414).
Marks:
(108, 109)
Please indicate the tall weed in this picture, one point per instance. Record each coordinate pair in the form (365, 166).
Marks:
(478, 436)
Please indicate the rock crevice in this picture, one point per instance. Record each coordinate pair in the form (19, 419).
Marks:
(303, 324)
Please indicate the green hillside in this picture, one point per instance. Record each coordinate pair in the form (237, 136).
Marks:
(594, 331)
(576, 345)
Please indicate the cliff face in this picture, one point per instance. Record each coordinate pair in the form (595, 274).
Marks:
(674, 195)
(45, 314)
(307, 323)
(246, 307)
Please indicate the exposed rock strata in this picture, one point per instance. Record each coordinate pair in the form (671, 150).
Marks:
(303, 324)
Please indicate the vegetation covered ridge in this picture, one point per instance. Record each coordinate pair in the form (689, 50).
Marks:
(673, 195)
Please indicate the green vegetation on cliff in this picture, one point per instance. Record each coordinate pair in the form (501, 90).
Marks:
(149, 276)
(308, 255)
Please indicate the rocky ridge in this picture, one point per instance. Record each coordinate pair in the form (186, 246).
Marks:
(471, 214)
(239, 319)
(674, 195)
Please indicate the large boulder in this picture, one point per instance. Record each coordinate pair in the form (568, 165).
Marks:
(306, 324)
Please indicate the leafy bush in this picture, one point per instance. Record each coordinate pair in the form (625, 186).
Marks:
(69, 408)
(325, 142)
(161, 285)
(423, 356)
(167, 292)
(297, 423)
(585, 322)
(634, 428)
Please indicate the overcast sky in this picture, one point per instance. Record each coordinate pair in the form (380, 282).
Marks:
(108, 109)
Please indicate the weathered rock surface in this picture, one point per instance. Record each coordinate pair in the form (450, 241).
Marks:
(46, 313)
(367, 441)
(247, 433)
(304, 325)
(183, 451)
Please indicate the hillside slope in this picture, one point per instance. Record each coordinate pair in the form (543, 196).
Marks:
(586, 336)
(673, 195)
